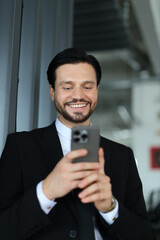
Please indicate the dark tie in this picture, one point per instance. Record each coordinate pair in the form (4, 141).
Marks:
(84, 218)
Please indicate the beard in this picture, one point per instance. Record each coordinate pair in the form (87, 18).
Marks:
(76, 117)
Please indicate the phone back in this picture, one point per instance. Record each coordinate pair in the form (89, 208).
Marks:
(86, 137)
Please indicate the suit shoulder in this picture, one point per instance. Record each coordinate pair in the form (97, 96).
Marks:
(113, 145)
(29, 134)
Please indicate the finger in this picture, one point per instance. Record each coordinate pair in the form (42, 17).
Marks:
(96, 197)
(93, 188)
(75, 154)
(101, 185)
(101, 160)
(80, 175)
(85, 166)
(92, 198)
(95, 177)
(88, 180)
(95, 192)
(101, 155)
(74, 184)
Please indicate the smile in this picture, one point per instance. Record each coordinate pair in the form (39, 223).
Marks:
(77, 105)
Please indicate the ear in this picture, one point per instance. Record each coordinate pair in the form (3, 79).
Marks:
(51, 90)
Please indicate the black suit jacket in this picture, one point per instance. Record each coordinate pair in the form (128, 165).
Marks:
(28, 157)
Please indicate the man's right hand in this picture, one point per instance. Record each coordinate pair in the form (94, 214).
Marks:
(66, 175)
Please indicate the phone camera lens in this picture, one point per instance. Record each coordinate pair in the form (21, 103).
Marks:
(76, 139)
(84, 136)
(76, 132)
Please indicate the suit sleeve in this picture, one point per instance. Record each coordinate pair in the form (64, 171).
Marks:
(20, 212)
(132, 222)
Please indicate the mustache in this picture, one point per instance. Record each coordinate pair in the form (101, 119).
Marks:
(74, 100)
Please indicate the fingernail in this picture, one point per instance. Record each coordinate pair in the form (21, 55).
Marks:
(80, 185)
(84, 151)
(80, 195)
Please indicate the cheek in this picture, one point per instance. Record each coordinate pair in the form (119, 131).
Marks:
(95, 100)
(94, 96)
(61, 97)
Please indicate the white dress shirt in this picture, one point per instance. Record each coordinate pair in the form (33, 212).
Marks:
(46, 204)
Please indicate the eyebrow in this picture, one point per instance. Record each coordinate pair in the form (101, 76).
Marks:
(71, 82)
(65, 82)
(90, 82)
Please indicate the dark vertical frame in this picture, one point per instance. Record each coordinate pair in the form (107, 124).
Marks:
(15, 53)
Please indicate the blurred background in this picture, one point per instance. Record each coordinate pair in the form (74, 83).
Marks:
(124, 35)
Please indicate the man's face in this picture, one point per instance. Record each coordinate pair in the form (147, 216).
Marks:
(75, 94)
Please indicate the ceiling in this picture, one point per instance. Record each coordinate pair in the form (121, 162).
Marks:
(109, 25)
(98, 26)
(124, 36)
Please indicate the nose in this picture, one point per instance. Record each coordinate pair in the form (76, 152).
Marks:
(78, 93)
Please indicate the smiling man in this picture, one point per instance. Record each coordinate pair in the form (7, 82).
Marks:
(75, 94)
(43, 195)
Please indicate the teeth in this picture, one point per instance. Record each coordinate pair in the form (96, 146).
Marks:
(77, 105)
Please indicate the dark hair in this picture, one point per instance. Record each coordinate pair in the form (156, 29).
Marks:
(72, 55)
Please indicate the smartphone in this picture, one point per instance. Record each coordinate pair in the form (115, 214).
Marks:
(86, 137)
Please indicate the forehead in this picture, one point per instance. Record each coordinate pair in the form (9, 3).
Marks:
(76, 71)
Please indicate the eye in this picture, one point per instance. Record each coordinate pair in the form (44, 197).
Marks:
(67, 88)
(87, 87)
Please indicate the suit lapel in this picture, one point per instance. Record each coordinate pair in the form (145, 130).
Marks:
(51, 147)
(107, 154)
(52, 151)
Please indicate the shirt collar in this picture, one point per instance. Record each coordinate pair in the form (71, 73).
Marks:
(63, 130)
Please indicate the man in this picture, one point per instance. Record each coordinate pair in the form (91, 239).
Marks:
(43, 195)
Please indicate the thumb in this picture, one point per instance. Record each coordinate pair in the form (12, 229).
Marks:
(101, 160)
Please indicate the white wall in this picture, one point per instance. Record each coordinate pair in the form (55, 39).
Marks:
(146, 131)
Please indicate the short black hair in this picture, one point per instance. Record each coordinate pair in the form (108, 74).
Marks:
(71, 56)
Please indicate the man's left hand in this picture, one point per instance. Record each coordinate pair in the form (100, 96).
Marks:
(97, 187)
